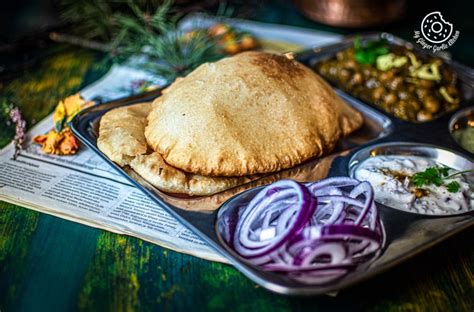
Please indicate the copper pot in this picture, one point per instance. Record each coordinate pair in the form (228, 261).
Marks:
(352, 13)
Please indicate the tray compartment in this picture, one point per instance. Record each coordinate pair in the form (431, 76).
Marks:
(465, 74)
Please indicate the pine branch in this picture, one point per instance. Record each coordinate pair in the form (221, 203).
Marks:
(75, 40)
(146, 29)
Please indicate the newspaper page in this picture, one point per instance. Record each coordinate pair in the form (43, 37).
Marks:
(83, 188)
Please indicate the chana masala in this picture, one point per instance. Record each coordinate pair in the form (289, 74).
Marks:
(396, 79)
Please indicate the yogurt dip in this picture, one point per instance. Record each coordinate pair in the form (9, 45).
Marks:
(391, 178)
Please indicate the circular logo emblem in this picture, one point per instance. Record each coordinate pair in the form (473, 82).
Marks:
(435, 29)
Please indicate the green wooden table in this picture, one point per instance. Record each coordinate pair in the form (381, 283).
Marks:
(49, 264)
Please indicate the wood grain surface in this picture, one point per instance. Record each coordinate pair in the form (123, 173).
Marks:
(50, 264)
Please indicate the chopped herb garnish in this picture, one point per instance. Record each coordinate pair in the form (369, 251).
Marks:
(430, 176)
(444, 171)
(453, 187)
(367, 53)
(437, 176)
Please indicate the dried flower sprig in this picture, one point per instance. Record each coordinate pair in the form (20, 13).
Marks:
(20, 129)
(14, 116)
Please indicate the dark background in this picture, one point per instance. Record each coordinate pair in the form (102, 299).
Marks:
(24, 23)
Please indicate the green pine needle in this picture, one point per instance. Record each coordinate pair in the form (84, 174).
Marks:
(171, 55)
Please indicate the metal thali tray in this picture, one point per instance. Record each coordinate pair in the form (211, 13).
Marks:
(407, 234)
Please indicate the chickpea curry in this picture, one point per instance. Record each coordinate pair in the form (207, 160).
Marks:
(409, 86)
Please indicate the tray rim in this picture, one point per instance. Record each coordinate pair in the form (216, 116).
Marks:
(245, 269)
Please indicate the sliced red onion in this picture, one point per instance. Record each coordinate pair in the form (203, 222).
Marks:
(278, 212)
(314, 233)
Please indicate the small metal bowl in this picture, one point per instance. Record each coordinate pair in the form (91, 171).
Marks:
(438, 154)
(460, 121)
